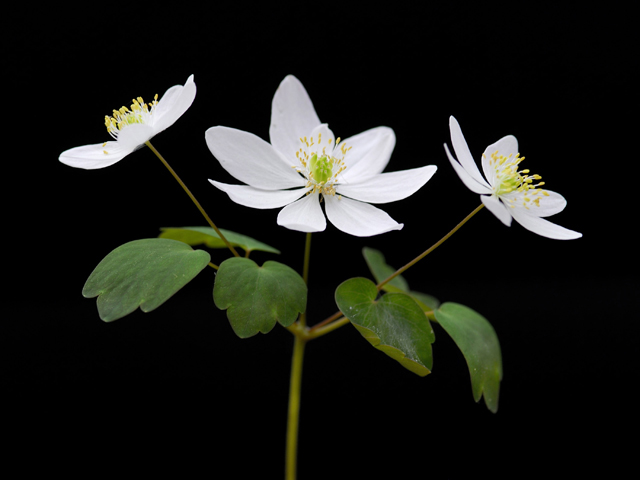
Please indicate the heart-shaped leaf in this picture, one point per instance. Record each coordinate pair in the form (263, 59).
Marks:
(209, 237)
(478, 341)
(394, 324)
(143, 273)
(255, 298)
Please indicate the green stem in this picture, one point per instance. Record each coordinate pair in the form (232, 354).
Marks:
(430, 249)
(294, 408)
(302, 321)
(307, 254)
(193, 199)
(323, 330)
(326, 321)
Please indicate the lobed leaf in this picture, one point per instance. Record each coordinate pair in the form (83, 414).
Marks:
(255, 298)
(143, 273)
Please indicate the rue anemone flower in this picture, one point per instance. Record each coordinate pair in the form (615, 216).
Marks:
(508, 192)
(306, 165)
(132, 127)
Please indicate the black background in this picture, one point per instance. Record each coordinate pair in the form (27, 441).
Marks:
(174, 391)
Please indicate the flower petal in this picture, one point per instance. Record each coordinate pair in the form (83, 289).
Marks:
(320, 138)
(358, 218)
(91, 157)
(292, 117)
(547, 205)
(251, 160)
(388, 187)
(173, 104)
(304, 215)
(370, 152)
(134, 136)
(256, 198)
(498, 208)
(505, 146)
(550, 204)
(466, 178)
(541, 226)
(463, 153)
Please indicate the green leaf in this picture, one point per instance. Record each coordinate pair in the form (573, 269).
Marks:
(143, 273)
(394, 324)
(209, 237)
(478, 341)
(381, 271)
(255, 298)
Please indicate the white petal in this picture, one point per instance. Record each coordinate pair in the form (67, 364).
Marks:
(304, 215)
(505, 146)
(370, 152)
(467, 179)
(256, 198)
(292, 116)
(463, 153)
(388, 187)
(173, 104)
(498, 208)
(91, 157)
(134, 136)
(541, 226)
(548, 205)
(251, 160)
(320, 138)
(358, 218)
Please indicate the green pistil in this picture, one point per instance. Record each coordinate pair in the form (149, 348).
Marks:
(509, 181)
(321, 169)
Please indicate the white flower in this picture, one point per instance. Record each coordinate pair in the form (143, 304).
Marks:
(512, 192)
(132, 127)
(305, 164)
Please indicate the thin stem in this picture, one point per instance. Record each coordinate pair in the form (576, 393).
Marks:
(193, 199)
(333, 317)
(319, 332)
(294, 408)
(213, 265)
(430, 249)
(302, 321)
(307, 255)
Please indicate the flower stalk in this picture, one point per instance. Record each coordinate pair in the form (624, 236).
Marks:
(429, 250)
(293, 420)
(192, 197)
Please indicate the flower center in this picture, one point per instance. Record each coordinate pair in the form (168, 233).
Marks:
(509, 179)
(139, 112)
(321, 163)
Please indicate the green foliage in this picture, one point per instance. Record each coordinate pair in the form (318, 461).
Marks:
(395, 324)
(143, 273)
(255, 298)
(208, 236)
(478, 341)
